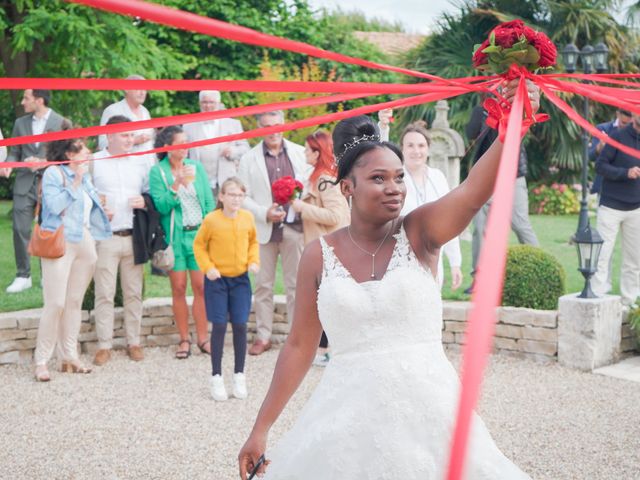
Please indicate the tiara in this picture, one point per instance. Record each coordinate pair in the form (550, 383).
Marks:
(356, 141)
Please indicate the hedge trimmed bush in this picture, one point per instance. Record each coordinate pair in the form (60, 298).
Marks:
(534, 279)
(634, 320)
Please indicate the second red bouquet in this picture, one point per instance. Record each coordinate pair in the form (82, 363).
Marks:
(286, 189)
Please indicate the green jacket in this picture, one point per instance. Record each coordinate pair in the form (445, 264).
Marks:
(166, 200)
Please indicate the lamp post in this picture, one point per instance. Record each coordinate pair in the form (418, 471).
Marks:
(587, 239)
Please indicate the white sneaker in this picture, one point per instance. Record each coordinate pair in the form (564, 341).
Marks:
(218, 392)
(19, 284)
(321, 360)
(239, 386)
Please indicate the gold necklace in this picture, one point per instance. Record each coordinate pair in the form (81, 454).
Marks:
(373, 255)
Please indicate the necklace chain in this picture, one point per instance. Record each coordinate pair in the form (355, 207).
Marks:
(372, 255)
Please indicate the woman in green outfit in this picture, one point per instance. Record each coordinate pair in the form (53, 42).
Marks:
(181, 193)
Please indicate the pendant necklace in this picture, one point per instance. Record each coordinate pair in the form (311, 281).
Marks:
(372, 255)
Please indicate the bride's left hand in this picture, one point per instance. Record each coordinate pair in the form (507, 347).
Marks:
(511, 88)
(250, 454)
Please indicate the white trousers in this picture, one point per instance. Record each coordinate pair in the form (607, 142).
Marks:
(64, 281)
(610, 221)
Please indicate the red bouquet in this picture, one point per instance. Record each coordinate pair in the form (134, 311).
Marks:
(286, 189)
(514, 43)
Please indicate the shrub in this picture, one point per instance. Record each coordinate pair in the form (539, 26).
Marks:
(557, 199)
(6, 188)
(534, 279)
(634, 321)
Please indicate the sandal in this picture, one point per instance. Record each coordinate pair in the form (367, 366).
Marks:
(42, 373)
(204, 350)
(184, 354)
(70, 367)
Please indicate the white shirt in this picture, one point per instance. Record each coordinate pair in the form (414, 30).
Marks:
(211, 129)
(88, 204)
(436, 186)
(120, 179)
(38, 124)
(122, 108)
(3, 150)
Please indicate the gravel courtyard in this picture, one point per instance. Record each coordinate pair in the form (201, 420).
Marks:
(155, 420)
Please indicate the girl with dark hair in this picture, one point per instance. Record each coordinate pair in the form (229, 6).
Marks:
(385, 407)
(69, 200)
(323, 208)
(180, 191)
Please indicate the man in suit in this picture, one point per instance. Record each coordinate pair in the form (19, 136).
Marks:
(272, 158)
(219, 160)
(623, 118)
(39, 119)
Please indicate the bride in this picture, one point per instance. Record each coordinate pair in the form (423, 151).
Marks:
(385, 407)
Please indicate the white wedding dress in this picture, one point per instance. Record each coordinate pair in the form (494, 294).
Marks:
(386, 404)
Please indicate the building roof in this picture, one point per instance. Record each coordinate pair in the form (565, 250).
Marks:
(391, 43)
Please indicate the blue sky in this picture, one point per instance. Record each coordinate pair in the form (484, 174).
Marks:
(417, 15)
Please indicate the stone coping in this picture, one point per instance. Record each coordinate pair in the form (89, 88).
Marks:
(520, 332)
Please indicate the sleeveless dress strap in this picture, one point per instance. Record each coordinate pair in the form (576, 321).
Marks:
(331, 266)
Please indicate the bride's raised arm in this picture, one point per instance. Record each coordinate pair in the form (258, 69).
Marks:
(294, 360)
(438, 222)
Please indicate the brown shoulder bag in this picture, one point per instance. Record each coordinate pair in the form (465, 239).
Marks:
(43, 243)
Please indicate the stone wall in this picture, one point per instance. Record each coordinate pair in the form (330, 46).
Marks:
(520, 332)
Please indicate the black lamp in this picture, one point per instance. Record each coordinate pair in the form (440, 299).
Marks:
(586, 56)
(570, 54)
(588, 242)
(601, 55)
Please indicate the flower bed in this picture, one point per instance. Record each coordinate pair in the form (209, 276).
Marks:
(554, 199)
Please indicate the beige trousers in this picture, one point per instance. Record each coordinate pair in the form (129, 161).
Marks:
(610, 221)
(113, 254)
(290, 249)
(64, 282)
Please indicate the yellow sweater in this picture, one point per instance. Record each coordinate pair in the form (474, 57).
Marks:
(227, 244)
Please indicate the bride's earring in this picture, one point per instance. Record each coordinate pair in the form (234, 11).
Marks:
(350, 202)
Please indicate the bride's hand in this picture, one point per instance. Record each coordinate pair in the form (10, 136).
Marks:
(248, 457)
(511, 88)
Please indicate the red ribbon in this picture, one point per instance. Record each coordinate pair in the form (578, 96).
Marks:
(498, 110)
(489, 279)
(16, 83)
(175, 120)
(260, 132)
(216, 28)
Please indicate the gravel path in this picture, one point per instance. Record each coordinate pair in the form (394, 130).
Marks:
(155, 420)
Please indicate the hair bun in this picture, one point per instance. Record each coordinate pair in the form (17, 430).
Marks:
(352, 128)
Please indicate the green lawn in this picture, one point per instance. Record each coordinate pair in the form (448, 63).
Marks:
(553, 233)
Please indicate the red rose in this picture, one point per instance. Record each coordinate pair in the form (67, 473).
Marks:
(480, 58)
(506, 34)
(547, 50)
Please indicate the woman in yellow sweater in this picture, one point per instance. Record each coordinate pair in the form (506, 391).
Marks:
(226, 249)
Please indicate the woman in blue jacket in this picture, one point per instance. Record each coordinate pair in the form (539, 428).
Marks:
(69, 199)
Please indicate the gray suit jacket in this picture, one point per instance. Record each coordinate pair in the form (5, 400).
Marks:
(25, 178)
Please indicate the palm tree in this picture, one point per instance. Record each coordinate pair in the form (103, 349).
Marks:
(447, 53)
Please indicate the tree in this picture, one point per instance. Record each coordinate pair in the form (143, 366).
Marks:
(295, 20)
(49, 38)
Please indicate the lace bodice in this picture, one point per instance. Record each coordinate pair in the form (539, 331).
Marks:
(402, 308)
